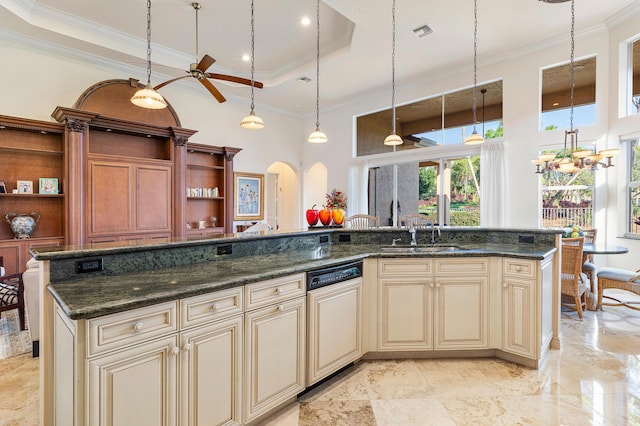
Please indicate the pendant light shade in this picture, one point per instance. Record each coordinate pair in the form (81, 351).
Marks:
(147, 97)
(393, 139)
(252, 121)
(475, 138)
(317, 136)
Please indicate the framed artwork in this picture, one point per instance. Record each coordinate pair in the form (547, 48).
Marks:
(48, 186)
(25, 187)
(248, 196)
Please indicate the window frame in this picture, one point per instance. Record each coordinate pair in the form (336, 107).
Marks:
(629, 184)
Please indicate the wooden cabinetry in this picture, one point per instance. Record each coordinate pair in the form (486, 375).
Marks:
(209, 181)
(274, 344)
(334, 324)
(437, 304)
(31, 150)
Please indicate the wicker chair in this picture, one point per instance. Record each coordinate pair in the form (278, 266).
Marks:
(415, 220)
(362, 221)
(571, 266)
(621, 279)
(588, 267)
(12, 295)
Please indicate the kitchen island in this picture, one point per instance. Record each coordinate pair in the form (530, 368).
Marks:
(486, 292)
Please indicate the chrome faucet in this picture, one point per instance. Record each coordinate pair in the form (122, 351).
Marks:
(433, 232)
(412, 232)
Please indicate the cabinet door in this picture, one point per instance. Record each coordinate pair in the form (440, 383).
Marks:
(136, 386)
(334, 324)
(275, 355)
(518, 316)
(404, 307)
(211, 374)
(461, 313)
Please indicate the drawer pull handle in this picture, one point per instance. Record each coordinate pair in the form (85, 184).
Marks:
(518, 268)
(278, 290)
(215, 307)
(280, 308)
(175, 351)
(187, 347)
(138, 327)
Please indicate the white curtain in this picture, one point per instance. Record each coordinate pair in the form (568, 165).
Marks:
(493, 185)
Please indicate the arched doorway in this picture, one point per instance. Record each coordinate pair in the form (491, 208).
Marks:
(282, 197)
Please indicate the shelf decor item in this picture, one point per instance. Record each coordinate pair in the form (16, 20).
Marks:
(25, 187)
(48, 186)
(3, 188)
(249, 196)
(22, 224)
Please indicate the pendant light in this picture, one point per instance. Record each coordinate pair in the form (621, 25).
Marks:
(578, 158)
(393, 139)
(252, 121)
(475, 138)
(317, 136)
(147, 97)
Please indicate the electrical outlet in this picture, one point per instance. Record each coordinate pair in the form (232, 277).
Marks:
(525, 239)
(225, 249)
(343, 238)
(324, 239)
(90, 265)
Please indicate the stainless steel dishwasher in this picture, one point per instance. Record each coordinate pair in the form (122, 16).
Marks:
(334, 319)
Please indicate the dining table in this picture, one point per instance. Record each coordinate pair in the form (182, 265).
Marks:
(589, 249)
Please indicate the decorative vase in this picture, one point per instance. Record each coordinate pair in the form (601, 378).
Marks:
(338, 216)
(22, 224)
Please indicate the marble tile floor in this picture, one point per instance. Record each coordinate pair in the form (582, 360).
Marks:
(593, 380)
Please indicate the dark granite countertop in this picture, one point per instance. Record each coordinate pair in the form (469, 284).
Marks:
(94, 296)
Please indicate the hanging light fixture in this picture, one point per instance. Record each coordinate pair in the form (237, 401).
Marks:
(147, 97)
(578, 158)
(393, 139)
(252, 121)
(317, 136)
(475, 138)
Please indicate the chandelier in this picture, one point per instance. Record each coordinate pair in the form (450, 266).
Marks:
(575, 159)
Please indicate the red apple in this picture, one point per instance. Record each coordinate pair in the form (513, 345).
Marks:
(312, 215)
(325, 216)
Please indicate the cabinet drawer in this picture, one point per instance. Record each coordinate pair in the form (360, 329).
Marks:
(405, 267)
(519, 267)
(118, 330)
(462, 266)
(272, 291)
(211, 306)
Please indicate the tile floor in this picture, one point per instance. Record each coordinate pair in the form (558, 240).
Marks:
(593, 380)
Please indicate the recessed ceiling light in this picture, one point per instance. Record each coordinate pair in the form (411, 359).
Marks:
(304, 79)
(246, 57)
(423, 30)
(555, 104)
(305, 21)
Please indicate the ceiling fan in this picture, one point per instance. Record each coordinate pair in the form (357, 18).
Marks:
(198, 70)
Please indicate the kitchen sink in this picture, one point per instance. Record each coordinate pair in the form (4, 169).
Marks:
(419, 249)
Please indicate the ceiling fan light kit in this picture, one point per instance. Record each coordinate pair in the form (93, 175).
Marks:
(252, 121)
(475, 138)
(317, 136)
(393, 139)
(148, 97)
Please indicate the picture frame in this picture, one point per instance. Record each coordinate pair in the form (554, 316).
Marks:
(248, 200)
(25, 186)
(48, 186)
(3, 188)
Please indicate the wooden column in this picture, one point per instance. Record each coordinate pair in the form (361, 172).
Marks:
(229, 195)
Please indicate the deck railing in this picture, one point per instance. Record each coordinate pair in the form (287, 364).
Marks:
(560, 217)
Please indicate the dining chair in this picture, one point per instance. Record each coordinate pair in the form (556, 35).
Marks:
(588, 267)
(570, 270)
(362, 221)
(415, 220)
(12, 295)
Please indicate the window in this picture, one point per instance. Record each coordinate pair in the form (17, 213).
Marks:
(556, 95)
(567, 200)
(634, 188)
(634, 76)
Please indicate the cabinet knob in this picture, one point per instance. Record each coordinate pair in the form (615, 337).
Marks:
(505, 285)
(186, 347)
(278, 290)
(139, 326)
(215, 307)
(280, 308)
(175, 351)
(437, 285)
(518, 268)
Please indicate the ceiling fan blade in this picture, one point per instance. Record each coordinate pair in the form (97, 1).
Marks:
(211, 88)
(205, 63)
(234, 79)
(161, 85)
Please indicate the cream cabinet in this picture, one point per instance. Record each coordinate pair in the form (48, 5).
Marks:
(426, 304)
(274, 364)
(334, 328)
